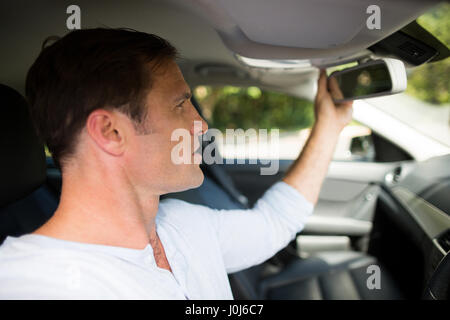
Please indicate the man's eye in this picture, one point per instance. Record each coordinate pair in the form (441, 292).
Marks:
(180, 104)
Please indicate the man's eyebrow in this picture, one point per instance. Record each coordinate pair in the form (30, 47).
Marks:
(185, 96)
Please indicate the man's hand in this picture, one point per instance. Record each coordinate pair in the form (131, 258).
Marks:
(336, 116)
(309, 170)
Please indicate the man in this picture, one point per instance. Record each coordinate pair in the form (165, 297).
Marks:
(106, 102)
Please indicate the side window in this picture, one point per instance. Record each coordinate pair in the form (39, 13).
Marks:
(229, 107)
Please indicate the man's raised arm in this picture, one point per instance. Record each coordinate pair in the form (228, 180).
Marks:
(309, 170)
(249, 237)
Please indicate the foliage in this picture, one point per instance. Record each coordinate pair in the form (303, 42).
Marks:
(233, 107)
(430, 82)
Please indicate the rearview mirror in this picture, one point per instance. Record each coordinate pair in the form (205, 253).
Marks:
(369, 79)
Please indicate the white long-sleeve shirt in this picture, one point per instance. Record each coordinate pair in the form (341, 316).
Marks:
(202, 245)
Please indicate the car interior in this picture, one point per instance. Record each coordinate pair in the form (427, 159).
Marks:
(392, 212)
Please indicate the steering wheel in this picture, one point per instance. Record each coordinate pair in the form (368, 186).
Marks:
(439, 285)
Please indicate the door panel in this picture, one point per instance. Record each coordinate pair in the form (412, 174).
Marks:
(360, 205)
(347, 199)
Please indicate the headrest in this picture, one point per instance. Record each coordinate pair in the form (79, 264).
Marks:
(22, 160)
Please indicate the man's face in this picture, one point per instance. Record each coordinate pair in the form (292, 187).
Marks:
(149, 156)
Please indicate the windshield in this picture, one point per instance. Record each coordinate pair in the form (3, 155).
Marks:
(425, 105)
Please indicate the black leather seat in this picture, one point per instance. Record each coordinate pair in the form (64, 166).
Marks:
(27, 201)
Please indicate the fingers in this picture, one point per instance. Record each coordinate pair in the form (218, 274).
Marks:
(334, 89)
(322, 83)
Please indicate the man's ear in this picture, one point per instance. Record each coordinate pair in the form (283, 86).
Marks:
(105, 129)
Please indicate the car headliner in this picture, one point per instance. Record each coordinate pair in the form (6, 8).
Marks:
(208, 33)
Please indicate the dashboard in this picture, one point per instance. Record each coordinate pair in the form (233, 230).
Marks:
(423, 191)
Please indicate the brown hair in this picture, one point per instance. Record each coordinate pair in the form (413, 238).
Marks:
(87, 70)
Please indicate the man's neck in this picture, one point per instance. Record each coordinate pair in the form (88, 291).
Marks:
(102, 208)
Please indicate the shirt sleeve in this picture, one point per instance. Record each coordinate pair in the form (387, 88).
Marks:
(251, 236)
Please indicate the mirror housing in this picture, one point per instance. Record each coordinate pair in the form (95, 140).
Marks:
(373, 78)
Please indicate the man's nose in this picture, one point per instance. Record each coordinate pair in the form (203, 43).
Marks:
(199, 127)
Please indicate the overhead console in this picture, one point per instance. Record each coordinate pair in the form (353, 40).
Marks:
(413, 45)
